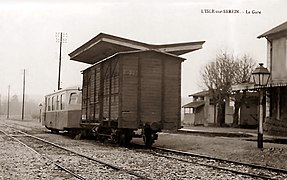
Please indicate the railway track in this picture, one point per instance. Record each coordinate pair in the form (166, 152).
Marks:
(50, 161)
(57, 154)
(140, 163)
(240, 168)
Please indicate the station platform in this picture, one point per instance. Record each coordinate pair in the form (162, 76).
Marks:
(246, 134)
(219, 131)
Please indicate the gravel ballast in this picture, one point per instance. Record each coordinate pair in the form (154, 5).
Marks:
(19, 163)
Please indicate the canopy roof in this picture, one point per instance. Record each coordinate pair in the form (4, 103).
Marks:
(200, 94)
(252, 86)
(194, 104)
(137, 52)
(105, 45)
(281, 29)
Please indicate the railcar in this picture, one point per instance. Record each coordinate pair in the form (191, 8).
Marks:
(62, 110)
(130, 86)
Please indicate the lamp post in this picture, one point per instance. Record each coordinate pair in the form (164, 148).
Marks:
(40, 105)
(260, 76)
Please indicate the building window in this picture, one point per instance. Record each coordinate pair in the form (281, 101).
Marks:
(188, 110)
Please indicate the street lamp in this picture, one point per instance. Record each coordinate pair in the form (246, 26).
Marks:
(40, 105)
(260, 76)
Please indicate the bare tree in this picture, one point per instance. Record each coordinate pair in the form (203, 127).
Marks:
(220, 74)
(245, 66)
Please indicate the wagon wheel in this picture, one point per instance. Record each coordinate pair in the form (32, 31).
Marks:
(55, 131)
(148, 138)
(101, 138)
(95, 133)
(124, 138)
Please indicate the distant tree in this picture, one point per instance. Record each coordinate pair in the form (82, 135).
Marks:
(219, 75)
(15, 106)
(32, 109)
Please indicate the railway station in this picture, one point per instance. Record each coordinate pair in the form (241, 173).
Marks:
(131, 85)
(174, 90)
(111, 116)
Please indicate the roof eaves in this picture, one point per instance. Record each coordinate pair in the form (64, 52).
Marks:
(280, 28)
(200, 93)
(169, 54)
(180, 46)
(136, 51)
(194, 104)
(102, 37)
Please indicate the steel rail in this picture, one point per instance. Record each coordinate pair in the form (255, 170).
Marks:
(88, 157)
(221, 160)
(216, 167)
(51, 161)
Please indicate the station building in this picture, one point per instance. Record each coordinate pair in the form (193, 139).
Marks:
(276, 104)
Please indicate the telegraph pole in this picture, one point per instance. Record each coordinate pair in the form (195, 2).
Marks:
(61, 38)
(8, 102)
(23, 102)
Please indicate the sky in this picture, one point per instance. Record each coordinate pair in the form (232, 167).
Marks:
(28, 29)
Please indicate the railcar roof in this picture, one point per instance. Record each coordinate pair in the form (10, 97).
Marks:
(62, 90)
(134, 52)
(105, 45)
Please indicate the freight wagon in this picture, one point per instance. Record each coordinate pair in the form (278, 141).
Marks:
(131, 86)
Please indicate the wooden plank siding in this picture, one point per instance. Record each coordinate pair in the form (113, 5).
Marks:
(172, 94)
(134, 89)
(151, 90)
(100, 92)
(129, 94)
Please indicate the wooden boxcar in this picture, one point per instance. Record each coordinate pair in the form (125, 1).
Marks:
(134, 90)
(62, 110)
(131, 85)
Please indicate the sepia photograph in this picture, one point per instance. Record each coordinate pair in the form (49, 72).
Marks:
(148, 89)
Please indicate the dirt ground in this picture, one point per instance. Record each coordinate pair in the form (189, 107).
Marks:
(232, 148)
(273, 155)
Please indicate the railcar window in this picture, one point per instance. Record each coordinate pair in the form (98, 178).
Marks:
(53, 101)
(62, 101)
(73, 98)
(57, 103)
(79, 98)
(49, 104)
